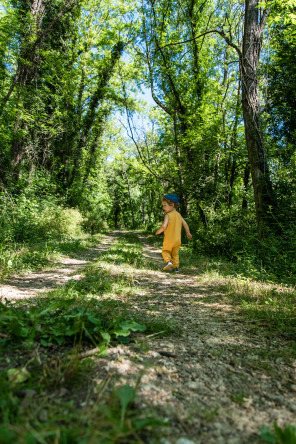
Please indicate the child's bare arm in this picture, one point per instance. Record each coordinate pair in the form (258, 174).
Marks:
(164, 225)
(185, 225)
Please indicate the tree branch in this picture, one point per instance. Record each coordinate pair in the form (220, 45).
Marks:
(212, 31)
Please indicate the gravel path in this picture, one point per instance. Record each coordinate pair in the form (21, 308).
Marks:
(216, 381)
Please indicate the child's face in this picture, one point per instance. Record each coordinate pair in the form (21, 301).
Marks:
(167, 207)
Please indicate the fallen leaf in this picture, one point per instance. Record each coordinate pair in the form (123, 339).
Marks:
(18, 375)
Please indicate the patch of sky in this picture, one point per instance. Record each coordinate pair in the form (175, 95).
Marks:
(138, 125)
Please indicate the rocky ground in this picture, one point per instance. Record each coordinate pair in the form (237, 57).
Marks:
(215, 381)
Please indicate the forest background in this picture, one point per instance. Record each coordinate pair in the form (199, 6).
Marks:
(105, 106)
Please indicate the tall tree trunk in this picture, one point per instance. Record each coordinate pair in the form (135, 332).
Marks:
(233, 143)
(263, 194)
(246, 181)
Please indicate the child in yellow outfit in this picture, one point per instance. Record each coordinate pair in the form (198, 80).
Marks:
(172, 227)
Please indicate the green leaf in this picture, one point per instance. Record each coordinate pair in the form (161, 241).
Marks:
(132, 325)
(18, 375)
(121, 332)
(92, 318)
(105, 336)
(140, 424)
(125, 394)
(286, 435)
(266, 434)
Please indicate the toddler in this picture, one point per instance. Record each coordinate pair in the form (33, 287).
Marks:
(172, 226)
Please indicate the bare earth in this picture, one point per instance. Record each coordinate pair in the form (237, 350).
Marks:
(209, 382)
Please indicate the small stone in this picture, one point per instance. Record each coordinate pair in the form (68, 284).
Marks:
(293, 387)
(164, 441)
(43, 416)
(292, 407)
(63, 392)
(279, 361)
(195, 385)
(155, 354)
(184, 441)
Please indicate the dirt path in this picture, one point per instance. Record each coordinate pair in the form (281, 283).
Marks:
(216, 381)
(29, 285)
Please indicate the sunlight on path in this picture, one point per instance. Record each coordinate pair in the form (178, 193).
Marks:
(31, 284)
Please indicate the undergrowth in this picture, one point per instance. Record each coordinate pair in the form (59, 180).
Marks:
(36, 230)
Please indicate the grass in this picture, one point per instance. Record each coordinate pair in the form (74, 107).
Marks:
(271, 307)
(26, 257)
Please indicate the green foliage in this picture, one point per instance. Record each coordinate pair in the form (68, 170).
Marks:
(60, 321)
(278, 435)
(27, 218)
(34, 229)
(68, 423)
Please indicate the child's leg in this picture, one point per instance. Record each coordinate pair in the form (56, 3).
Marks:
(175, 256)
(166, 254)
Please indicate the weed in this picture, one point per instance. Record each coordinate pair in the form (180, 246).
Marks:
(278, 435)
(238, 398)
(63, 320)
(206, 414)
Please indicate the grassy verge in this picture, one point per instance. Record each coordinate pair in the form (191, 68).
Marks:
(26, 257)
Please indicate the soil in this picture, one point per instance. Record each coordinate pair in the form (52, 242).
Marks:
(216, 381)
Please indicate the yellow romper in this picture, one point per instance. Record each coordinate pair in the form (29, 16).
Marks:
(172, 238)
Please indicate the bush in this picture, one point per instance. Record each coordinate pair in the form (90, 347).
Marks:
(59, 222)
(94, 223)
(25, 219)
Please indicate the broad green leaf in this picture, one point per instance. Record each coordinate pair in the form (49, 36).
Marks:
(132, 325)
(266, 434)
(106, 336)
(125, 394)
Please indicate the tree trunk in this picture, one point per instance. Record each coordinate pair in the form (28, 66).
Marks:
(263, 194)
(130, 197)
(246, 181)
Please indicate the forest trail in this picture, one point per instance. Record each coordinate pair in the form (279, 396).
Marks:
(215, 380)
(29, 285)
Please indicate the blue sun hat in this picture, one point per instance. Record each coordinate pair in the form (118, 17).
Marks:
(172, 197)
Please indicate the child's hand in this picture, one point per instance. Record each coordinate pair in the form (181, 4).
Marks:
(189, 235)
